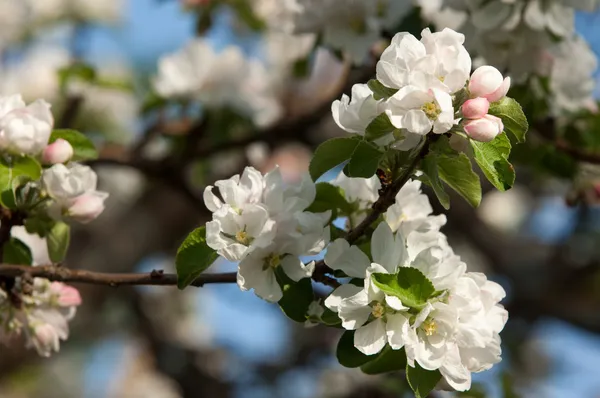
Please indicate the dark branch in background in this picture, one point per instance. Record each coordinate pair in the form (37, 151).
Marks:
(547, 129)
(62, 274)
(72, 107)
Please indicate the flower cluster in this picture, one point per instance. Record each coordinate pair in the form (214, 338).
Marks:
(445, 318)
(425, 78)
(200, 73)
(527, 38)
(39, 311)
(263, 224)
(69, 188)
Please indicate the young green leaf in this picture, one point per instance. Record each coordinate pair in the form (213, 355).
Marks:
(331, 318)
(330, 154)
(297, 296)
(430, 169)
(456, 171)
(347, 354)
(83, 148)
(329, 197)
(422, 381)
(513, 118)
(380, 91)
(364, 160)
(379, 127)
(409, 285)
(387, 360)
(57, 241)
(492, 158)
(193, 257)
(16, 252)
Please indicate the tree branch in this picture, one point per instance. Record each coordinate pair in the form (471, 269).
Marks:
(63, 274)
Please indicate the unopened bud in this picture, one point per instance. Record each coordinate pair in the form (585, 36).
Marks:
(45, 339)
(87, 207)
(475, 108)
(488, 82)
(60, 151)
(484, 129)
(67, 296)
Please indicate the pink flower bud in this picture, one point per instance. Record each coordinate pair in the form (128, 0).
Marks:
(67, 295)
(475, 108)
(485, 81)
(484, 129)
(87, 207)
(500, 92)
(60, 151)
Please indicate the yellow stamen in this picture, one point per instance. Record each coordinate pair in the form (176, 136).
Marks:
(431, 110)
(242, 237)
(430, 327)
(378, 310)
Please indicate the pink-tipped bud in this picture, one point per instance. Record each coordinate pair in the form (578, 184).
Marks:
(87, 207)
(67, 295)
(60, 151)
(500, 92)
(475, 108)
(488, 82)
(484, 129)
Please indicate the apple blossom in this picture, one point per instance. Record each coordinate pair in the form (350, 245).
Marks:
(87, 207)
(484, 129)
(24, 129)
(60, 151)
(354, 114)
(475, 108)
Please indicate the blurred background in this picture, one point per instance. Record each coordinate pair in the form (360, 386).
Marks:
(105, 67)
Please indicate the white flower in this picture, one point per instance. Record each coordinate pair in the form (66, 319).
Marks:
(314, 313)
(412, 211)
(354, 114)
(64, 183)
(438, 61)
(24, 129)
(361, 193)
(236, 192)
(421, 111)
(73, 189)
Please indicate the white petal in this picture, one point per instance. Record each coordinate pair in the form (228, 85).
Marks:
(371, 338)
(416, 121)
(211, 201)
(384, 249)
(296, 269)
(349, 259)
(397, 329)
(354, 311)
(335, 298)
(395, 303)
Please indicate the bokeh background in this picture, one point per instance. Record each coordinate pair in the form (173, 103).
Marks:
(158, 342)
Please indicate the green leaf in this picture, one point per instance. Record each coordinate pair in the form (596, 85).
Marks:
(408, 284)
(83, 148)
(193, 257)
(15, 170)
(78, 70)
(16, 252)
(512, 116)
(380, 91)
(388, 360)
(364, 160)
(492, 159)
(455, 170)
(40, 224)
(430, 168)
(422, 381)
(57, 241)
(329, 197)
(246, 14)
(379, 127)
(297, 296)
(347, 355)
(331, 318)
(330, 154)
